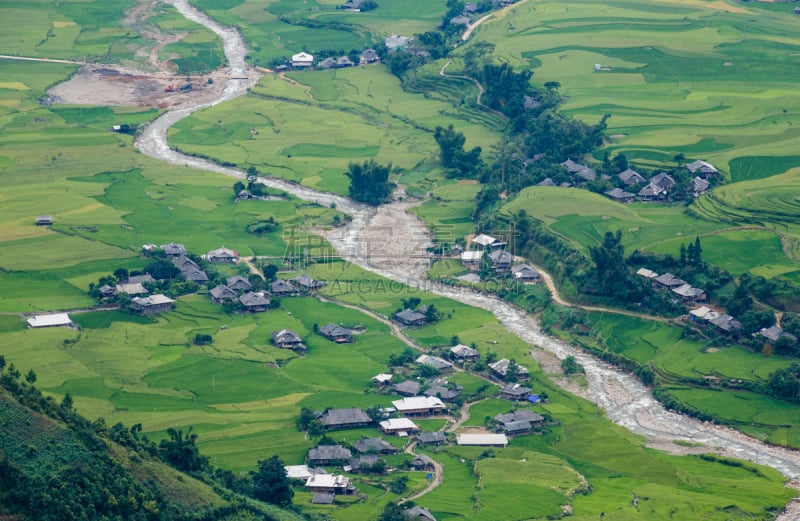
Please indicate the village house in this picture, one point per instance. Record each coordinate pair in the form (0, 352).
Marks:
(351, 5)
(302, 60)
(107, 292)
(344, 61)
(139, 279)
(287, 339)
(546, 182)
(440, 364)
(500, 368)
(323, 498)
(152, 304)
(407, 388)
(689, 294)
(668, 281)
(282, 288)
(239, 283)
(460, 20)
(726, 323)
(329, 484)
(174, 249)
(471, 258)
(301, 472)
(195, 275)
(131, 289)
(621, 196)
(44, 220)
(421, 462)
(222, 294)
(631, 177)
(336, 333)
(52, 320)
(382, 379)
(646, 274)
(410, 317)
(374, 446)
(484, 241)
(222, 254)
(482, 440)
(398, 426)
(700, 186)
(419, 406)
(702, 313)
(395, 42)
(663, 180)
(369, 57)
(443, 391)
(652, 192)
(515, 392)
(525, 274)
(327, 63)
(775, 333)
(329, 455)
(417, 513)
(306, 283)
(501, 261)
(464, 353)
(518, 422)
(344, 418)
(254, 302)
(431, 438)
(456, 250)
(363, 464)
(701, 167)
(183, 263)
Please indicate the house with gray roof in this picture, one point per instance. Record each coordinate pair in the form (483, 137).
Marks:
(282, 288)
(287, 339)
(690, 294)
(139, 279)
(336, 333)
(417, 513)
(501, 261)
(195, 275)
(518, 422)
(221, 294)
(431, 438)
(306, 283)
(254, 302)
(327, 63)
(700, 186)
(444, 392)
(701, 167)
(329, 455)
(621, 196)
(663, 180)
(239, 283)
(726, 323)
(368, 57)
(407, 388)
(652, 192)
(152, 304)
(410, 317)
(222, 254)
(500, 368)
(374, 446)
(344, 61)
(131, 289)
(525, 273)
(631, 177)
(775, 333)
(440, 364)
(515, 392)
(174, 249)
(464, 353)
(669, 281)
(344, 418)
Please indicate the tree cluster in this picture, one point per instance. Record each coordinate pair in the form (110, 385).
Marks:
(369, 182)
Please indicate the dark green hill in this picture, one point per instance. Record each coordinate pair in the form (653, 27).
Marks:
(56, 465)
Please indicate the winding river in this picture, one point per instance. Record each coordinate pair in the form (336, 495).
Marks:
(625, 400)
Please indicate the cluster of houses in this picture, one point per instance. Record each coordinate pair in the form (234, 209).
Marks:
(141, 300)
(239, 289)
(304, 60)
(679, 287)
(502, 262)
(722, 321)
(657, 188)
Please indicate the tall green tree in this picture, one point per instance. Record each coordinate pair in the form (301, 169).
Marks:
(271, 484)
(181, 451)
(369, 182)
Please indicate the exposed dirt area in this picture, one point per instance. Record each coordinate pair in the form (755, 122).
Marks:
(151, 83)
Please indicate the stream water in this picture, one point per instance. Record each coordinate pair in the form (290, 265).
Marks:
(383, 241)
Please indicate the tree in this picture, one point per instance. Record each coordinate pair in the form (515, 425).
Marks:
(369, 182)
(611, 273)
(570, 366)
(181, 451)
(270, 272)
(271, 484)
(30, 377)
(66, 402)
(120, 274)
(238, 186)
(162, 269)
(2, 363)
(392, 512)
